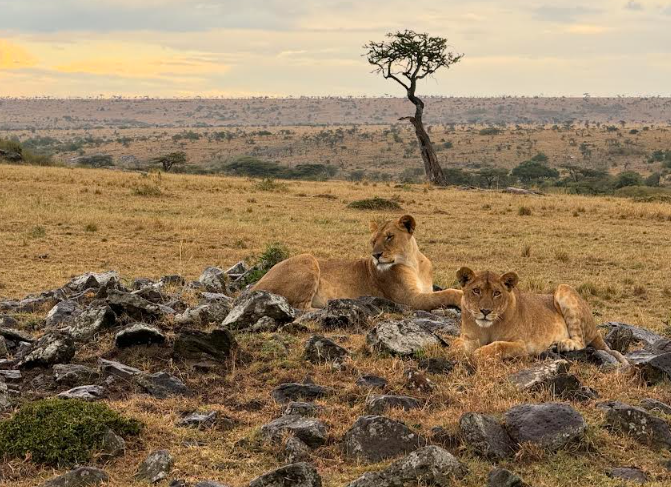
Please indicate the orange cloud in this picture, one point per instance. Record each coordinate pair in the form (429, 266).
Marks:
(13, 56)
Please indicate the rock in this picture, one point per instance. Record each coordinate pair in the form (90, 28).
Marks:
(90, 322)
(637, 423)
(602, 359)
(4, 350)
(63, 312)
(443, 326)
(92, 280)
(375, 305)
(620, 339)
(569, 387)
(293, 475)
(296, 450)
(196, 345)
(203, 314)
(112, 445)
(209, 483)
(302, 409)
(74, 375)
(500, 477)
(417, 380)
(138, 334)
(156, 467)
(79, 477)
(294, 392)
(265, 324)
(5, 403)
(379, 404)
(198, 420)
(629, 474)
(214, 280)
(171, 280)
(430, 465)
(342, 314)
(52, 348)
(372, 381)
(436, 365)
(162, 385)
(642, 335)
(136, 306)
(11, 375)
(14, 335)
(538, 376)
(550, 425)
(7, 321)
(319, 349)
(401, 337)
(310, 431)
(84, 393)
(375, 438)
(250, 308)
(655, 405)
(486, 436)
(654, 367)
(117, 369)
(237, 269)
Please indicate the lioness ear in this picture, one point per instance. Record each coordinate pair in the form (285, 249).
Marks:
(407, 222)
(465, 275)
(373, 226)
(510, 280)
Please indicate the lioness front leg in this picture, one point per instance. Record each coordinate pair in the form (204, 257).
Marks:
(576, 313)
(434, 300)
(501, 349)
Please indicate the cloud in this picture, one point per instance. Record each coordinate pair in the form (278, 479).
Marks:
(562, 14)
(634, 6)
(587, 29)
(13, 56)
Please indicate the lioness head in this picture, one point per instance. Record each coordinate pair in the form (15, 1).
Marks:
(392, 241)
(486, 295)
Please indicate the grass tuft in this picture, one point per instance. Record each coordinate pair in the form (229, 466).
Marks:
(375, 203)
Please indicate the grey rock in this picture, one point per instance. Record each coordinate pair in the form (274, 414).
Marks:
(440, 325)
(310, 431)
(637, 423)
(84, 393)
(375, 438)
(265, 324)
(136, 306)
(655, 405)
(647, 337)
(14, 335)
(500, 477)
(295, 392)
(214, 279)
(436, 365)
(138, 334)
(602, 359)
(204, 314)
(401, 337)
(52, 348)
(342, 314)
(4, 350)
(63, 312)
(91, 322)
(569, 387)
(162, 385)
(198, 420)
(538, 376)
(92, 280)
(629, 474)
(319, 349)
(112, 444)
(430, 465)
(171, 280)
(117, 369)
(5, 403)
(372, 381)
(250, 308)
(619, 339)
(380, 404)
(302, 409)
(74, 375)
(196, 345)
(295, 450)
(486, 436)
(209, 483)
(156, 467)
(550, 426)
(11, 375)
(654, 367)
(79, 477)
(220, 298)
(294, 475)
(417, 380)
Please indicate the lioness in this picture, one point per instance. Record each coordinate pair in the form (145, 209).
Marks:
(497, 320)
(395, 270)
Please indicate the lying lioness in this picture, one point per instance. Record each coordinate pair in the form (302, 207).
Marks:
(497, 320)
(395, 270)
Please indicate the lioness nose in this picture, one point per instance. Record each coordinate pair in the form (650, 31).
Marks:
(485, 312)
(377, 255)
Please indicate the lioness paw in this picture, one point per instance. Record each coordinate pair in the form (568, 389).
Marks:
(569, 345)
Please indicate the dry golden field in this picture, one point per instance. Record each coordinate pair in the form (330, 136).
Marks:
(59, 222)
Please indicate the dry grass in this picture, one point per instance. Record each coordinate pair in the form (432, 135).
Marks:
(619, 248)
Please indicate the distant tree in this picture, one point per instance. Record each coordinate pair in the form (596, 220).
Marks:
(170, 160)
(531, 171)
(653, 180)
(408, 57)
(628, 178)
(492, 176)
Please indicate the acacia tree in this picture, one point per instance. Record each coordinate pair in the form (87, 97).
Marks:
(408, 57)
(172, 159)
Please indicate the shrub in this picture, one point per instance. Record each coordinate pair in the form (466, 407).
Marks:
(628, 178)
(273, 254)
(375, 203)
(151, 190)
(531, 170)
(524, 211)
(61, 432)
(490, 131)
(269, 184)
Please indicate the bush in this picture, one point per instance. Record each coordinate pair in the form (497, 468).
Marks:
(13, 152)
(61, 432)
(533, 171)
(628, 178)
(457, 177)
(150, 190)
(375, 203)
(269, 184)
(256, 168)
(274, 254)
(490, 131)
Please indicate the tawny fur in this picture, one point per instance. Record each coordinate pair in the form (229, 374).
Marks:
(396, 270)
(498, 320)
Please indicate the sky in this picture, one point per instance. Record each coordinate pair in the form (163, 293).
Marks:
(240, 48)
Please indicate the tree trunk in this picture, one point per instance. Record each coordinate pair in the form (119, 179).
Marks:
(433, 171)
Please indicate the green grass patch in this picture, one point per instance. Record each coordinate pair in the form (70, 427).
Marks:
(374, 204)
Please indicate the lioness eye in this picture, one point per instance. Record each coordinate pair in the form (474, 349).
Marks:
(497, 294)
(389, 237)
(476, 291)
